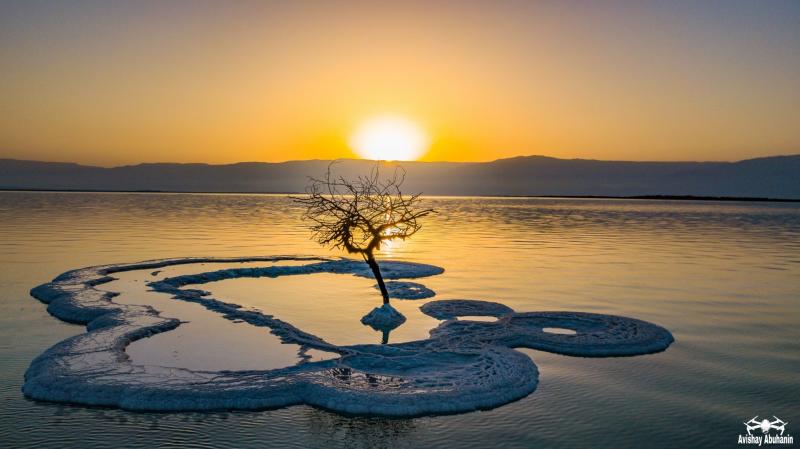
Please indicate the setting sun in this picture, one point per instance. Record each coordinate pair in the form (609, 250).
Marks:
(389, 139)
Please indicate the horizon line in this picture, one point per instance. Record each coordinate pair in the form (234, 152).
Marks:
(665, 197)
(400, 162)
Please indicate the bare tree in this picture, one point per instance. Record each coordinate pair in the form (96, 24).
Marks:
(358, 215)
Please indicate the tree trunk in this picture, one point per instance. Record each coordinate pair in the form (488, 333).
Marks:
(377, 272)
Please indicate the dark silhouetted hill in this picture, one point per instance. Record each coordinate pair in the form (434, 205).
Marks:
(773, 177)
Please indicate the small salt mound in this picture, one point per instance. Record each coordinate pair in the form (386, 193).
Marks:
(383, 318)
(408, 290)
(454, 308)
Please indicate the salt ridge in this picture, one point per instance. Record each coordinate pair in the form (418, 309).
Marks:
(464, 365)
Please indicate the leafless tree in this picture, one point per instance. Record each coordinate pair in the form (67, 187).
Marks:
(357, 215)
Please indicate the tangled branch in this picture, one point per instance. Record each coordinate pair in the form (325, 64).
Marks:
(358, 215)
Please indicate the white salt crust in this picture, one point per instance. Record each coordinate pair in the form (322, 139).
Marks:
(463, 366)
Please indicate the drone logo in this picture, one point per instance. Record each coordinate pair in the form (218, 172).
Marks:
(765, 425)
(771, 432)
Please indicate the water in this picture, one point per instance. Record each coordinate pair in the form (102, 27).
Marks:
(723, 277)
(231, 346)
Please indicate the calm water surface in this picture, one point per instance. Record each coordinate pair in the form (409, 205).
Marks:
(723, 277)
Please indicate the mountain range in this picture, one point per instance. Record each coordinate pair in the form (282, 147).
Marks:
(769, 177)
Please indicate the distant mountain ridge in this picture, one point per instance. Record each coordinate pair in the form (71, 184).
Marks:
(772, 177)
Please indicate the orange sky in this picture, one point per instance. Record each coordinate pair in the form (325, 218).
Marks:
(110, 84)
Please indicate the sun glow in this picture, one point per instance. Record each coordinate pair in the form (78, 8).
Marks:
(389, 139)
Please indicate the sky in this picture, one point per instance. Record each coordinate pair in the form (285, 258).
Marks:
(111, 83)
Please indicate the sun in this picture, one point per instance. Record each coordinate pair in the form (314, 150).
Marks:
(389, 139)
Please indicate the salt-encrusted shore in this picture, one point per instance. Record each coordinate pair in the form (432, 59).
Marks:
(464, 365)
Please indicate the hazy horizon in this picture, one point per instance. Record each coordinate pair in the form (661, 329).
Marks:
(770, 177)
(355, 158)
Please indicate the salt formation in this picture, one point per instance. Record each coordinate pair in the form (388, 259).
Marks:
(448, 310)
(465, 365)
(383, 318)
(408, 290)
(596, 335)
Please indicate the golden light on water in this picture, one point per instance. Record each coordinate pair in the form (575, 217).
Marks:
(389, 139)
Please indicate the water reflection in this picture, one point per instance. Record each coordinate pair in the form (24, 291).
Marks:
(327, 305)
(723, 277)
(204, 340)
(359, 432)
